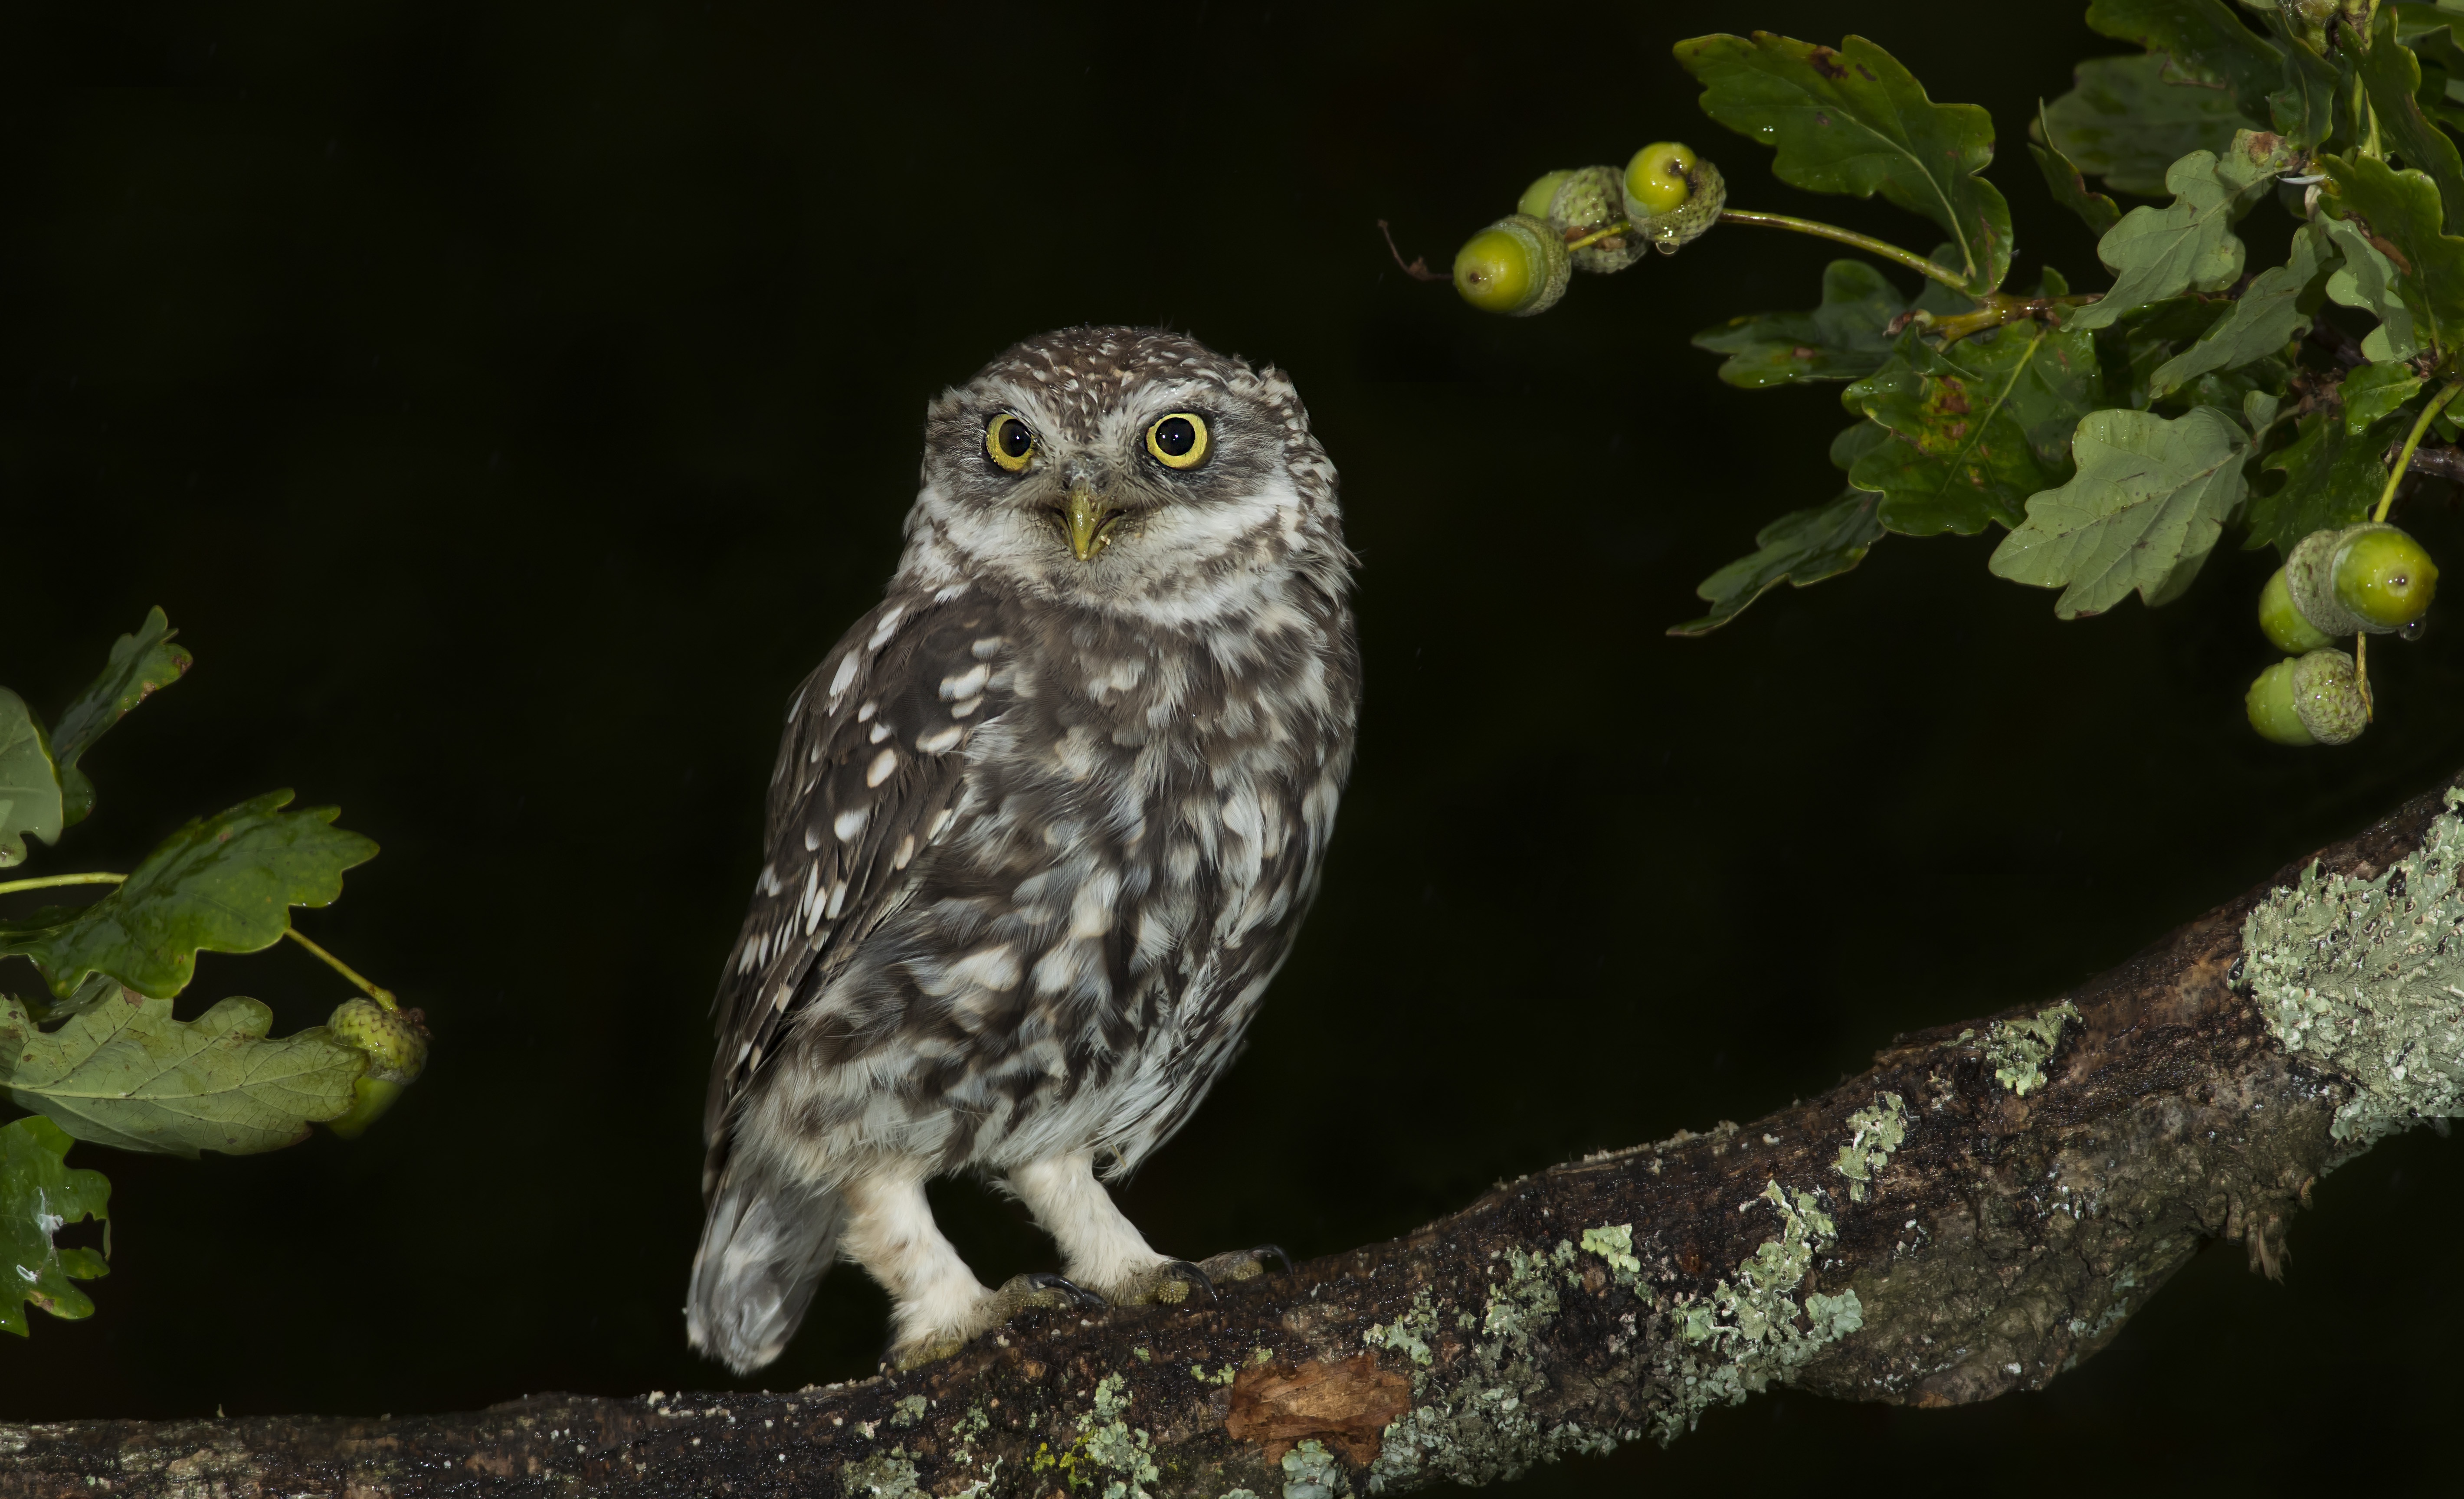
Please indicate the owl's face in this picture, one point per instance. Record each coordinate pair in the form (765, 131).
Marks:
(1123, 466)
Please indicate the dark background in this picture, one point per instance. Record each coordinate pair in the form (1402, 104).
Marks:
(510, 403)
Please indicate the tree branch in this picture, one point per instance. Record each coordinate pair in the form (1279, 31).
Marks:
(1977, 1213)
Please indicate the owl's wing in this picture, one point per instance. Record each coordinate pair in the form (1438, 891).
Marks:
(869, 776)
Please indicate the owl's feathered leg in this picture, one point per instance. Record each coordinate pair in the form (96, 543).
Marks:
(936, 1303)
(1099, 1246)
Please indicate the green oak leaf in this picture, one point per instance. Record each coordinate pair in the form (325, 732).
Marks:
(2064, 181)
(139, 665)
(2127, 119)
(2401, 212)
(2332, 478)
(1976, 426)
(1851, 120)
(2203, 41)
(2367, 280)
(1855, 442)
(2392, 76)
(221, 884)
(2305, 110)
(2144, 339)
(40, 1194)
(2375, 391)
(2266, 316)
(29, 782)
(2189, 244)
(124, 1073)
(2143, 511)
(1802, 547)
(1841, 339)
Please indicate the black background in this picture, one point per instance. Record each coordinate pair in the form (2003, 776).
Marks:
(510, 403)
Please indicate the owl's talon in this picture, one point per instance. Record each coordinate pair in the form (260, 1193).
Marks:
(916, 1352)
(1042, 1290)
(1240, 1265)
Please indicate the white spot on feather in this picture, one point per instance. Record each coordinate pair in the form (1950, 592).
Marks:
(882, 766)
(850, 823)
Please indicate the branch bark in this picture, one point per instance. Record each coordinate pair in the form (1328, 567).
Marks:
(1977, 1213)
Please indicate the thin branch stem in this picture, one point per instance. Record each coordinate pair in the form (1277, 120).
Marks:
(359, 981)
(1864, 242)
(1620, 226)
(48, 881)
(2411, 441)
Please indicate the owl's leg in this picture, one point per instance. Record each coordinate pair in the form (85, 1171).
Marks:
(936, 1303)
(1099, 1246)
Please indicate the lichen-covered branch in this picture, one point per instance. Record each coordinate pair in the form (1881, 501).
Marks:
(1977, 1213)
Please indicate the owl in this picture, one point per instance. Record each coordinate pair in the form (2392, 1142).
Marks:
(1044, 825)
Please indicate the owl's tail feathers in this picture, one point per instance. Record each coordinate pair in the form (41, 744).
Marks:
(765, 1246)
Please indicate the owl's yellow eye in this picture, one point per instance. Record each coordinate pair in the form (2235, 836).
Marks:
(1010, 442)
(1178, 441)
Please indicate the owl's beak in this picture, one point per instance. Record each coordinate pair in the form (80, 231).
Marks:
(1088, 522)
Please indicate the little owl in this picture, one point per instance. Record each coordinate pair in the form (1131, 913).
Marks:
(1043, 827)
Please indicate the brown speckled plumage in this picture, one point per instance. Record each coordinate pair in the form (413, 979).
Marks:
(1042, 828)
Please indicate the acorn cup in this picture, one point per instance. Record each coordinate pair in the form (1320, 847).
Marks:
(1671, 195)
(1517, 266)
(396, 1042)
(2370, 579)
(2309, 700)
(1584, 202)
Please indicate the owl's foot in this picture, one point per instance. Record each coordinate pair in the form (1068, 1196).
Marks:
(1169, 1283)
(1039, 1290)
(1240, 1265)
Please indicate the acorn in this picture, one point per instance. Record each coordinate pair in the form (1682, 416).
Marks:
(1536, 198)
(2283, 623)
(2367, 579)
(2309, 700)
(1672, 195)
(396, 1044)
(1585, 203)
(2384, 577)
(1517, 266)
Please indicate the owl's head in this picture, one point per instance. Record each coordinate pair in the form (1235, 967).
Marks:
(1126, 468)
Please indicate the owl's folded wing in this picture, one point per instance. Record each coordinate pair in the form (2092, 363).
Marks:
(869, 775)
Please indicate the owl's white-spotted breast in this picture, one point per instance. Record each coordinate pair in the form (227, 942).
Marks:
(1044, 825)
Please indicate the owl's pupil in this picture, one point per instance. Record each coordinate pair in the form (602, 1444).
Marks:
(1175, 435)
(1014, 438)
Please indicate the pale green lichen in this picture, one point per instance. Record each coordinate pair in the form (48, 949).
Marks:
(1879, 1129)
(1475, 1427)
(2366, 978)
(1311, 1472)
(883, 1475)
(1198, 1372)
(1113, 1443)
(1408, 1334)
(1743, 1336)
(1614, 1245)
(2017, 1048)
(907, 1412)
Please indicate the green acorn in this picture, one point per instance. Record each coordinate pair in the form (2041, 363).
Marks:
(2384, 577)
(2367, 579)
(1517, 266)
(1536, 198)
(2283, 623)
(1672, 195)
(2309, 700)
(396, 1042)
(1586, 201)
